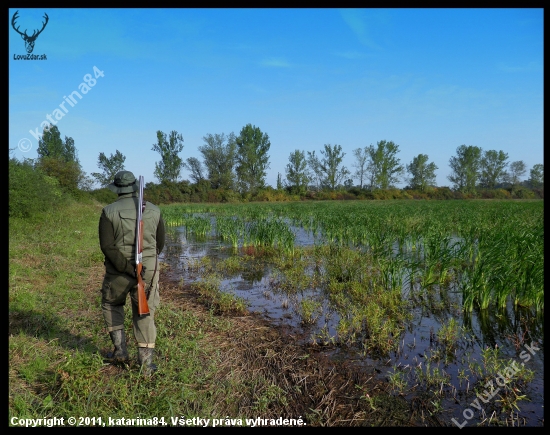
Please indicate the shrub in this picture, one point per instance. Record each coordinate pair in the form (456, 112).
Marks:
(539, 193)
(348, 196)
(356, 191)
(442, 193)
(69, 174)
(523, 193)
(501, 194)
(271, 195)
(104, 195)
(416, 194)
(368, 194)
(311, 194)
(228, 196)
(31, 192)
(392, 193)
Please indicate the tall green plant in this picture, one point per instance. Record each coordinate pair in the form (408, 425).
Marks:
(31, 192)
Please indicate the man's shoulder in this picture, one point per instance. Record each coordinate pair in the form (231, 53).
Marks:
(119, 204)
(152, 206)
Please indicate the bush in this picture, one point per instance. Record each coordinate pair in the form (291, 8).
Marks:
(501, 194)
(104, 195)
(387, 194)
(539, 193)
(311, 194)
(228, 196)
(417, 194)
(167, 192)
(69, 174)
(271, 195)
(442, 193)
(31, 192)
(523, 193)
(356, 191)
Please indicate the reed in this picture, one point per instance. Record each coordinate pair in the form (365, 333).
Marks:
(390, 255)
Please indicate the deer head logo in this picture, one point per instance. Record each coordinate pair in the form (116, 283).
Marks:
(29, 40)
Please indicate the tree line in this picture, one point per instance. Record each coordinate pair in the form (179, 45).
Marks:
(240, 163)
(235, 167)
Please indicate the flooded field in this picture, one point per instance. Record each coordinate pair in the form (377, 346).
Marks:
(389, 311)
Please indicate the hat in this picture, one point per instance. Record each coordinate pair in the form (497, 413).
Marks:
(125, 182)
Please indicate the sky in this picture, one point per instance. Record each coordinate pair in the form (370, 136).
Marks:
(430, 80)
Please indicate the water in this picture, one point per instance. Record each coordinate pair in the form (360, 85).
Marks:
(416, 346)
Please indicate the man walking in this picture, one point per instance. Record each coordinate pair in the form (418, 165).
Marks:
(117, 239)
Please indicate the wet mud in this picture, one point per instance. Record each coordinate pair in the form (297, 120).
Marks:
(332, 384)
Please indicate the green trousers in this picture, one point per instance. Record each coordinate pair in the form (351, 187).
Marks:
(114, 292)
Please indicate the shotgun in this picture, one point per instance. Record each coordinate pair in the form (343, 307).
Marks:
(143, 306)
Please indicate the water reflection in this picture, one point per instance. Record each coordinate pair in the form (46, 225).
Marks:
(510, 329)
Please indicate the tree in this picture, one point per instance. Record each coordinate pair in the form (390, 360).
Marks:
(422, 172)
(517, 170)
(297, 174)
(327, 171)
(252, 159)
(361, 164)
(110, 166)
(329, 165)
(370, 170)
(493, 166)
(219, 154)
(536, 176)
(315, 166)
(58, 158)
(50, 143)
(279, 181)
(194, 165)
(384, 165)
(170, 165)
(465, 168)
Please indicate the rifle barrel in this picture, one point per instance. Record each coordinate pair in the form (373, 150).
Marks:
(143, 306)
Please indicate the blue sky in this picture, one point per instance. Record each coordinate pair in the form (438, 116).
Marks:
(429, 80)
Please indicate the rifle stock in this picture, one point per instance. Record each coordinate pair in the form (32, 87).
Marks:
(143, 306)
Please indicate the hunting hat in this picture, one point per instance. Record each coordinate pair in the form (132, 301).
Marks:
(124, 182)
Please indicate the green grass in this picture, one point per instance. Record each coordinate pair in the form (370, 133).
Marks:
(56, 334)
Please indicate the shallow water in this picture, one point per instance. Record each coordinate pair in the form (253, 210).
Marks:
(415, 344)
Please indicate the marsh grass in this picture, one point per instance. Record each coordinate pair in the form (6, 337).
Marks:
(309, 310)
(375, 263)
(209, 289)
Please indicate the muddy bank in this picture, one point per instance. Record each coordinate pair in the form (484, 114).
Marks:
(324, 392)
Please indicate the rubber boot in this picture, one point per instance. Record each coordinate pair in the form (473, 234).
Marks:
(120, 353)
(145, 359)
